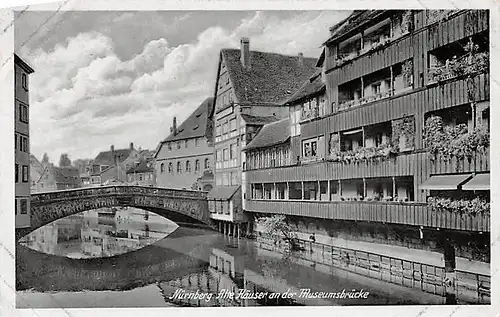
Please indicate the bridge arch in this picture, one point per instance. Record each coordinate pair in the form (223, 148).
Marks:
(178, 205)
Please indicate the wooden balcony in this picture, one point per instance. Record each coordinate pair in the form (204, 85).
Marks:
(401, 165)
(413, 214)
(479, 163)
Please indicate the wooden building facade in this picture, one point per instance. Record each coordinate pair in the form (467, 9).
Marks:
(393, 80)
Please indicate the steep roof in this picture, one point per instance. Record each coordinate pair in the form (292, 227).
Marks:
(222, 192)
(270, 78)
(143, 167)
(271, 134)
(258, 120)
(106, 157)
(66, 175)
(352, 22)
(310, 87)
(196, 124)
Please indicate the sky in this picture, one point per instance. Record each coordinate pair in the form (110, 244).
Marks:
(107, 78)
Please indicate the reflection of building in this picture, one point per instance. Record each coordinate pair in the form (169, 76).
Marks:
(43, 239)
(185, 155)
(21, 144)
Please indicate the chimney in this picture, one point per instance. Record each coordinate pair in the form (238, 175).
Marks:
(301, 59)
(245, 52)
(112, 149)
(131, 145)
(173, 129)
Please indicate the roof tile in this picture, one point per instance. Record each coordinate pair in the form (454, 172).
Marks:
(271, 134)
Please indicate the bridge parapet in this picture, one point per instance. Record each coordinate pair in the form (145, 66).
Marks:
(116, 190)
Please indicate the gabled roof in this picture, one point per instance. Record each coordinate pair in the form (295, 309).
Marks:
(271, 134)
(143, 167)
(270, 78)
(195, 125)
(258, 120)
(310, 87)
(222, 192)
(106, 157)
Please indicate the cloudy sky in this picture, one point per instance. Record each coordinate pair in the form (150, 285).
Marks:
(105, 78)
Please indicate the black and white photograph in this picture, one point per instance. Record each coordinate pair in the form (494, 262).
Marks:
(248, 158)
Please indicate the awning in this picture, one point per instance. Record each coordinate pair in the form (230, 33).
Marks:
(445, 182)
(222, 192)
(478, 182)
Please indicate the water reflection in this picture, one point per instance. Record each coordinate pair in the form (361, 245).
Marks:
(190, 261)
(99, 233)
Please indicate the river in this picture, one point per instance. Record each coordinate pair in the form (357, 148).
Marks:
(133, 258)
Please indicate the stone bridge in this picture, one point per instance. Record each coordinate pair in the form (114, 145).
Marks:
(187, 206)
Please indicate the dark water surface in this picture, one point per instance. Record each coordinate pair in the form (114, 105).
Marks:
(128, 259)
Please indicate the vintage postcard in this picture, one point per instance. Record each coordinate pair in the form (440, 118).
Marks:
(248, 156)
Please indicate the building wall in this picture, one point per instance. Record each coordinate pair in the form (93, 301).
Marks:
(22, 159)
(142, 179)
(174, 155)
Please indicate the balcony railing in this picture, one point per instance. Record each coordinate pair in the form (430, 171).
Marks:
(408, 213)
(465, 65)
(344, 105)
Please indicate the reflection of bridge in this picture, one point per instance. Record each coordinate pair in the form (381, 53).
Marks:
(186, 206)
(184, 251)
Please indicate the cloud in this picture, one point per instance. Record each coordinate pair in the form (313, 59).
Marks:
(85, 98)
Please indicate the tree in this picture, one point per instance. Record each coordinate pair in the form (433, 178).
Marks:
(64, 160)
(45, 159)
(277, 227)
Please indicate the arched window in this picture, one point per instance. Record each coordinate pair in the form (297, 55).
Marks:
(207, 163)
(170, 168)
(162, 168)
(197, 165)
(188, 166)
(179, 168)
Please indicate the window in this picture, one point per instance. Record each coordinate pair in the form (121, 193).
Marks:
(218, 130)
(24, 206)
(225, 180)
(376, 88)
(17, 173)
(295, 120)
(179, 168)
(197, 165)
(25, 173)
(162, 168)
(178, 144)
(218, 155)
(232, 124)
(170, 168)
(140, 177)
(188, 167)
(15, 141)
(169, 145)
(15, 207)
(23, 113)
(225, 153)
(234, 178)
(207, 163)
(197, 142)
(24, 79)
(232, 151)
(186, 143)
(225, 128)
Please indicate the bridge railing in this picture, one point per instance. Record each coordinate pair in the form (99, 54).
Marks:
(116, 190)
